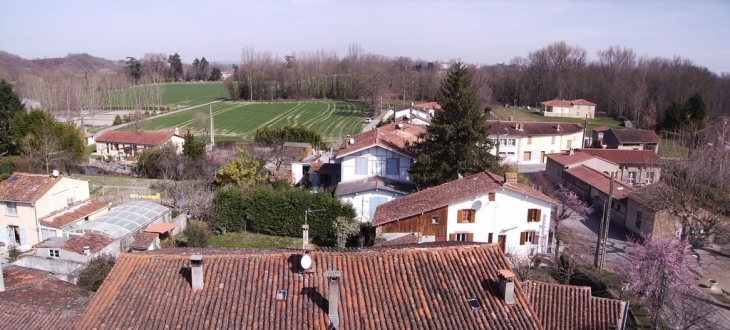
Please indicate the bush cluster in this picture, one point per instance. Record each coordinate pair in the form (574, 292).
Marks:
(279, 212)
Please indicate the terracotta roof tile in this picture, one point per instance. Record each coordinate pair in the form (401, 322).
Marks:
(45, 303)
(650, 195)
(567, 307)
(25, 187)
(622, 157)
(387, 136)
(143, 240)
(375, 182)
(633, 135)
(568, 103)
(405, 239)
(94, 241)
(566, 159)
(161, 228)
(409, 288)
(140, 138)
(81, 210)
(533, 128)
(601, 128)
(429, 105)
(448, 193)
(17, 276)
(600, 181)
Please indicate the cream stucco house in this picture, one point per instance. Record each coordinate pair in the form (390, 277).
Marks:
(37, 206)
(527, 143)
(579, 108)
(129, 144)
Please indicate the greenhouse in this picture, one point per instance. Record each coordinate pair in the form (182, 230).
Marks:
(124, 219)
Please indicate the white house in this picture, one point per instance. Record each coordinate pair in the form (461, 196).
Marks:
(36, 206)
(374, 166)
(527, 143)
(483, 207)
(416, 114)
(579, 108)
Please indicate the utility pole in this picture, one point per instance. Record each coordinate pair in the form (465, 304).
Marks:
(585, 128)
(603, 230)
(212, 129)
(499, 123)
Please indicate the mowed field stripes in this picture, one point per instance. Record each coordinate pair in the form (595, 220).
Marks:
(238, 120)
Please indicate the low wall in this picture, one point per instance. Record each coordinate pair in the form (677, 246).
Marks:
(56, 266)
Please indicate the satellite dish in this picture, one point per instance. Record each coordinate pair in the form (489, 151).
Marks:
(352, 141)
(306, 261)
(476, 206)
(55, 173)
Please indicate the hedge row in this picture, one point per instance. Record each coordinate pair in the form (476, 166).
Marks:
(279, 212)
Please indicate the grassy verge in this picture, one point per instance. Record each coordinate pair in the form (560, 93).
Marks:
(671, 149)
(253, 240)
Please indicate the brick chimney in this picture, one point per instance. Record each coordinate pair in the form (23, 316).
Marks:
(510, 177)
(196, 271)
(507, 286)
(87, 250)
(334, 277)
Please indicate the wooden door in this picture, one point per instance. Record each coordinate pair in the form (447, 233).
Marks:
(502, 240)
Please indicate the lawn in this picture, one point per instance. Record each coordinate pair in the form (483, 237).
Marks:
(175, 95)
(238, 120)
(253, 240)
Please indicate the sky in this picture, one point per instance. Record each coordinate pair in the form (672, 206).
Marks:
(485, 32)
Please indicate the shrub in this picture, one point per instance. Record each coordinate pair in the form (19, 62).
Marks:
(197, 234)
(13, 253)
(91, 277)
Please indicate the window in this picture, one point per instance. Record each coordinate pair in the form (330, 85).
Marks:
(530, 237)
(361, 166)
(569, 144)
(374, 203)
(577, 113)
(53, 253)
(511, 142)
(527, 155)
(46, 233)
(461, 237)
(578, 106)
(649, 177)
(529, 140)
(435, 220)
(11, 208)
(533, 215)
(489, 239)
(492, 196)
(639, 215)
(466, 215)
(392, 166)
(553, 139)
(631, 178)
(502, 142)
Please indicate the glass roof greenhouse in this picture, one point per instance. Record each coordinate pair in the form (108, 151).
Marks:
(123, 219)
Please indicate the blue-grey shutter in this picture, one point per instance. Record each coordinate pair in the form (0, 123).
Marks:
(374, 202)
(23, 239)
(362, 166)
(4, 235)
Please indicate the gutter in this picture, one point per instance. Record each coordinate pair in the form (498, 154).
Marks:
(37, 224)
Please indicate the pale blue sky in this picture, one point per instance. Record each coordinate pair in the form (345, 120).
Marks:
(476, 31)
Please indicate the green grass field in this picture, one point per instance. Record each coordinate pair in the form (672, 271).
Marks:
(238, 120)
(175, 95)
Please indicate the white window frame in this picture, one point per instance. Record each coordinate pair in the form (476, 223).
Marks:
(511, 142)
(53, 253)
(11, 209)
(461, 237)
(529, 237)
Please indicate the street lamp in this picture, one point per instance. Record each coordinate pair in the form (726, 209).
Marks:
(602, 238)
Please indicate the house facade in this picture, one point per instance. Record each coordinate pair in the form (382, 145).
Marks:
(365, 195)
(528, 143)
(636, 167)
(595, 188)
(128, 144)
(579, 108)
(28, 198)
(481, 208)
(77, 249)
(420, 114)
(558, 163)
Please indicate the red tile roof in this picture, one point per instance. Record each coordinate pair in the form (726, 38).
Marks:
(446, 194)
(405, 239)
(389, 136)
(140, 138)
(81, 210)
(567, 159)
(564, 103)
(48, 303)
(143, 240)
(94, 241)
(408, 288)
(18, 277)
(601, 128)
(567, 307)
(24, 187)
(533, 128)
(375, 182)
(621, 157)
(633, 135)
(600, 181)
(429, 105)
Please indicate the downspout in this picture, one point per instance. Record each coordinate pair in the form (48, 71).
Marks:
(37, 224)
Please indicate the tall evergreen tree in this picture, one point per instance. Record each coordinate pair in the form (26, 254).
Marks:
(176, 67)
(10, 105)
(457, 141)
